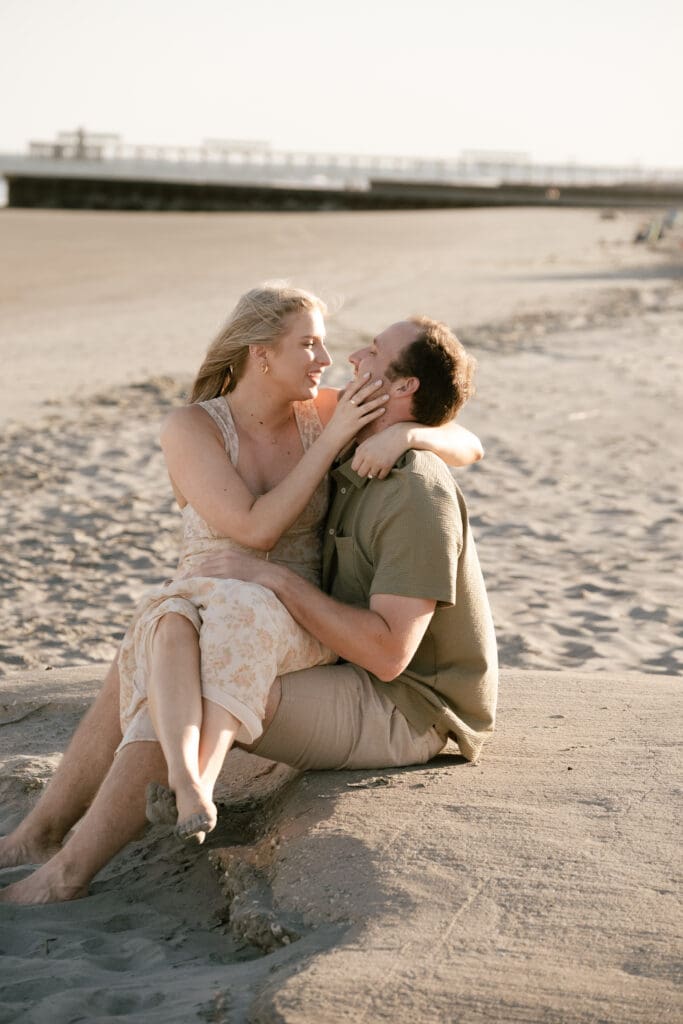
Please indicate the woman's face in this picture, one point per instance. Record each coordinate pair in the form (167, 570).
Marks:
(297, 361)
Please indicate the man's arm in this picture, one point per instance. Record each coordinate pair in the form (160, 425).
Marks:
(382, 638)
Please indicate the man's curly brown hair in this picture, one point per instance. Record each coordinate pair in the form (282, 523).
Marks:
(442, 366)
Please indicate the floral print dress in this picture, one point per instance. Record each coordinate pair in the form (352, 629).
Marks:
(246, 635)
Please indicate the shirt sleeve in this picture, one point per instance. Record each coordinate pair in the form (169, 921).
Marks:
(417, 538)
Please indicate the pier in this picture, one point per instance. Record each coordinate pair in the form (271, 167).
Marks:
(81, 170)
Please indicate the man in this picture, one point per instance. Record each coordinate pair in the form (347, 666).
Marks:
(406, 609)
(405, 604)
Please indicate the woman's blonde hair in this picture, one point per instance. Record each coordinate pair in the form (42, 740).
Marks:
(258, 319)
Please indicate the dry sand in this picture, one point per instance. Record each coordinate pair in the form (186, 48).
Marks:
(89, 301)
(537, 886)
(516, 890)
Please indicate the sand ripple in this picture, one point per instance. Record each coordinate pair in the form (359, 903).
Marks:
(578, 506)
(576, 509)
(90, 522)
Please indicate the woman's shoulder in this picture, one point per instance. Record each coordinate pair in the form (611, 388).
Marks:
(185, 415)
(325, 403)
(187, 418)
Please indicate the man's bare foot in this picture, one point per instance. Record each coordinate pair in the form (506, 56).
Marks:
(18, 848)
(46, 885)
(197, 814)
(160, 808)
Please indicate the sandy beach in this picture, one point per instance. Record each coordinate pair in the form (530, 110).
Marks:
(541, 879)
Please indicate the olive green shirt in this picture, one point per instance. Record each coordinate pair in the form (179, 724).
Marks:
(409, 536)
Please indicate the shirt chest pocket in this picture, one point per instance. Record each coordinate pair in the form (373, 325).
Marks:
(353, 573)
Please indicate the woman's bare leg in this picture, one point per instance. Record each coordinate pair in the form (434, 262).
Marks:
(116, 816)
(217, 737)
(176, 709)
(219, 729)
(84, 765)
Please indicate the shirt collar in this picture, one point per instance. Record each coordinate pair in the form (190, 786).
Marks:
(344, 470)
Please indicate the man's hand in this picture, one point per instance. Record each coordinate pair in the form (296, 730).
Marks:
(231, 565)
(382, 638)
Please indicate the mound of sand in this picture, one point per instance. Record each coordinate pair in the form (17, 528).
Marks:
(536, 885)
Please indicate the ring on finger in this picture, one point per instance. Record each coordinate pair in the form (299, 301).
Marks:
(352, 401)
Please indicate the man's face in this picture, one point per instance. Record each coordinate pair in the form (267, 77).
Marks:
(377, 357)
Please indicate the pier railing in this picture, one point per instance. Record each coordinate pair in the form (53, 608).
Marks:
(252, 161)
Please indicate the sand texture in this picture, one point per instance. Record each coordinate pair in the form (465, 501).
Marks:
(577, 507)
(536, 886)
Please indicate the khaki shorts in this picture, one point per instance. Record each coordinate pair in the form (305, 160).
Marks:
(332, 716)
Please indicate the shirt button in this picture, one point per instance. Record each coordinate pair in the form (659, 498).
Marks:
(331, 533)
(343, 490)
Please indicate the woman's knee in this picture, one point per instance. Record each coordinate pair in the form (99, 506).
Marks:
(174, 630)
(271, 709)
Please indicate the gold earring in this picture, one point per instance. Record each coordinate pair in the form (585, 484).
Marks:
(264, 367)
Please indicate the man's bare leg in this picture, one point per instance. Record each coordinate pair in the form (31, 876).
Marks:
(84, 765)
(116, 816)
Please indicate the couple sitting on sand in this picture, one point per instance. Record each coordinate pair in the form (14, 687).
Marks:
(395, 654)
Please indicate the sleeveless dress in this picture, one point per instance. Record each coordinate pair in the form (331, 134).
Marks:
(246, 635)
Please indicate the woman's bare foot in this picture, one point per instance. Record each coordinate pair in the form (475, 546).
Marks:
(160, 806)
(48, 884)
(195, 827)
(197, 814)
(20, 847)
(162, 809)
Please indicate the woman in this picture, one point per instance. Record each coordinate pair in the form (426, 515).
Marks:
(248, 460)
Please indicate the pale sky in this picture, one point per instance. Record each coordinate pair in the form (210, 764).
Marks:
(597, 81)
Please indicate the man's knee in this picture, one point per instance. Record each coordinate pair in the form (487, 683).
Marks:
(109, 690)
